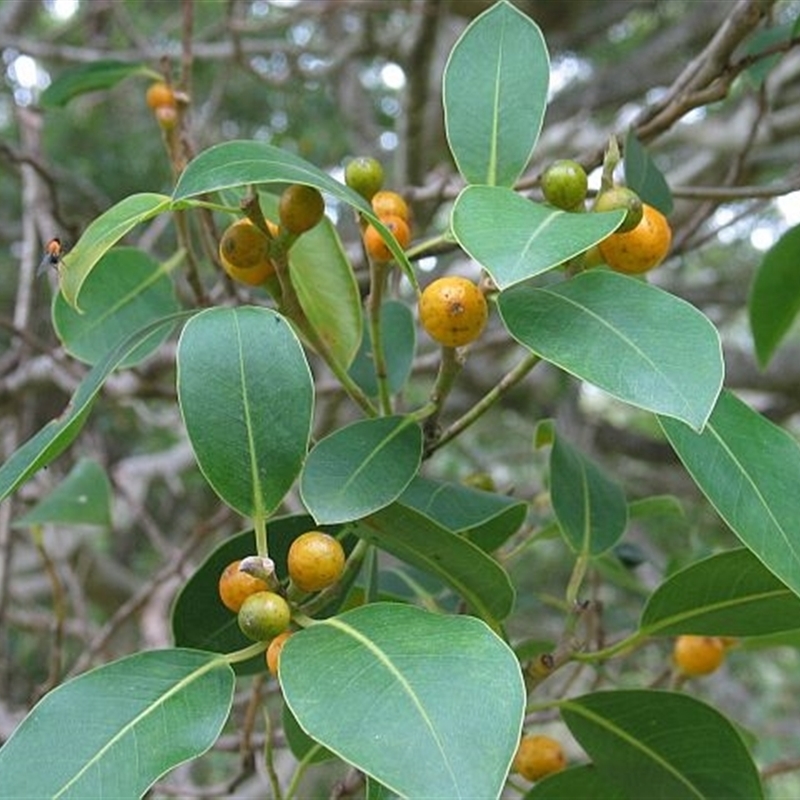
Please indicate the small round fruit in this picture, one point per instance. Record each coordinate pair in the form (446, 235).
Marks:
(377, 248)
(641, 249)
(236, 586)
(263, 616)
(698, 655)
(244, 253)
(621, 197)
(274, 650)
(564, 184)
(300, 208)
(364, 175)
(453, 311)
(159, 95)
(538, 756)
(315, 561)
(390, 204)
(167, 117)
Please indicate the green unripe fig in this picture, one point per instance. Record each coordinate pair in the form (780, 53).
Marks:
(621, 197)
(564, 184)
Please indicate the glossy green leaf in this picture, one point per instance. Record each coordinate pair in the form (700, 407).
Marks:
(514, 238)
(399, 337)
(670, 743)
(634, 341)
(451, 698)
(775, 295)
(125, 291)
(749, 469)
(495, 94)
(585, 782)
(644, 177)
(241, 163)
(360, 468)
(101, 235)
(82, 498)
(419, 541)
(728, 594)
(487, 519)
(246, 395)
(590, 507)
(91, 77)
(115, 730)
(51, 440)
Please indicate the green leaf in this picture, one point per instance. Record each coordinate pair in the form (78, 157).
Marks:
(644, 177)
(125, 291)
(246, 395)
(82, 498)
(532, 238)
(485, 518)
(495, 94)
(89, 78)
(419, 541)
(303, 747)
(670, 743)
(241, 163)
(101, 235)
(115, 730)
(759, 42)
(399, 335)
(749, 469)
(775, 295)
(590, 508)
(451, 698)
(728, 594)
(634, 341)
(46, 445)
(360, 468)
(585, 782)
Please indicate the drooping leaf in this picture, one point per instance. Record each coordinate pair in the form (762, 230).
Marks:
(451, 698)
(749, 469)
(670, 743)
(90, 77)
(487, 519)
(633, 340)
(514, 238)
(114, 731)
(398, 335)
(360, 468)
(644, 177)
(101, 235)
(51, 440)
(775, 295)
(125, 291)
(590, 507)
(246, 395)
(82, 498)
(728, 594)
(242, 163)
(495, 94)
(419, 541)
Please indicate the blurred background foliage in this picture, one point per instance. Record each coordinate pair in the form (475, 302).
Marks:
(330, 79)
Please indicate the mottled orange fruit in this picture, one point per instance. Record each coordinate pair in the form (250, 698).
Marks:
(640, 249)
(453, 311)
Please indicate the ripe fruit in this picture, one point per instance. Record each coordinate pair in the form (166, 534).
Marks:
(621, 197)
(263, 616)
(274, 651)
(377, 249)
(364, 175)
(159, 95)
(538, 756)
(390, 204)
(244, 253)
(316, 561)
(300, 208)
(698, 655)
(236, 586)
(564, 184)
(453, 311)
(641, 249)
